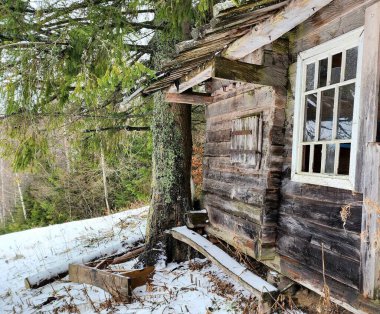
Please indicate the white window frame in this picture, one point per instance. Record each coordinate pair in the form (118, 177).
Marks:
(328, 49)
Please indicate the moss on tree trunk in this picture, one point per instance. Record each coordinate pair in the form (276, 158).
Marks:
(171, 192)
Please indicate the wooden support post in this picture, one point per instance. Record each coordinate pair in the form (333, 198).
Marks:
(369, 176)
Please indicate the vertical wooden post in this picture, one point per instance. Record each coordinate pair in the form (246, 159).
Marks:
(370, 174)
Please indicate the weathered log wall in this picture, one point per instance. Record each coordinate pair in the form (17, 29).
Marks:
(243, 201)
(310, 215)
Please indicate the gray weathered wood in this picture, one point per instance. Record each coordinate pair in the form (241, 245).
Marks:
(189, 98)
(118, 286)
(273, 28)
(256, 285)
(369, 176)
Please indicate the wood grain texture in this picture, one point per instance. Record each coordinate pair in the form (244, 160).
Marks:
(296, 12)
(118, 286)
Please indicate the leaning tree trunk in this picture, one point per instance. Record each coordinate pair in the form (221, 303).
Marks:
(171, 192)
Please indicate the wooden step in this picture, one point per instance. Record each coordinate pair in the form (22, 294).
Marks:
(253, 283)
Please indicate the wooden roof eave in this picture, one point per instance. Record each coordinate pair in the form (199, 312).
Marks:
(229, 70)
(263, 33)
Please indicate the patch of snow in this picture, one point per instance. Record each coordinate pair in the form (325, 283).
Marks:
(192, 287)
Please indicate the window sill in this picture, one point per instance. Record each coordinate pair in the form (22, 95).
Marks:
(342, 182)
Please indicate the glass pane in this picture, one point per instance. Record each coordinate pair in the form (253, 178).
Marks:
(310, 117)
(322, 80)
(305, 158)
(310, 73)
(327, 114)
(336, 67)
(330, 158)
(344, 159)
(317, 158)
(345, 111)
(351, 63)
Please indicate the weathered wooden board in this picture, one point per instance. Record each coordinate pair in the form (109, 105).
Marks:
(342, 294)
(338, 18)
(369, 176)
(273, 28)
(323, 212)
(189, 98)
(242, 193)
(119, 286)
(249, 73)
(240, 209)
(256, 285)
(306, 253)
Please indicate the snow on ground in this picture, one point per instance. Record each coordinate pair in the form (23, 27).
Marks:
(192, 287)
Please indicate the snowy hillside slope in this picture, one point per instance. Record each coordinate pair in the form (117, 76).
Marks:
(191, 287)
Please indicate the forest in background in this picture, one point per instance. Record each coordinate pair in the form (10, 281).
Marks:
(77, 145)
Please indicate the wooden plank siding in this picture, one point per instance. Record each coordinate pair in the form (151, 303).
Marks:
(310, 215)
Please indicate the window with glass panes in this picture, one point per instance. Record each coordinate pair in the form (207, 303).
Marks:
(327, 93)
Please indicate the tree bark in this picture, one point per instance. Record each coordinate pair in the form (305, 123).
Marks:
(171, 192)
(104, 177)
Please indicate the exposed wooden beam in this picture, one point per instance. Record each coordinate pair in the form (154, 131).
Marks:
(369, 162)
(195, 77)
(273, 28)
(189, 98)
(268, 75)
(232, 71)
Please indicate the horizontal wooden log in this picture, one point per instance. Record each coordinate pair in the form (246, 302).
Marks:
(323, 212)
(230, 70)
(250, 73)
(224, 175)
(243, 245)
(347, 297)
(337, 267)
(343, 243)
(236, 208)
(259, 99)
(234, 224)
(292, 189)
(235, 192)
(189, 98)
(256, 285)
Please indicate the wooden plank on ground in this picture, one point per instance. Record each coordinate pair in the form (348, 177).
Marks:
(273, 28)
(120, 287)
(253, 283)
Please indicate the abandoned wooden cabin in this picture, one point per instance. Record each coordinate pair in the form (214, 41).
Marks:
(292, 156)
